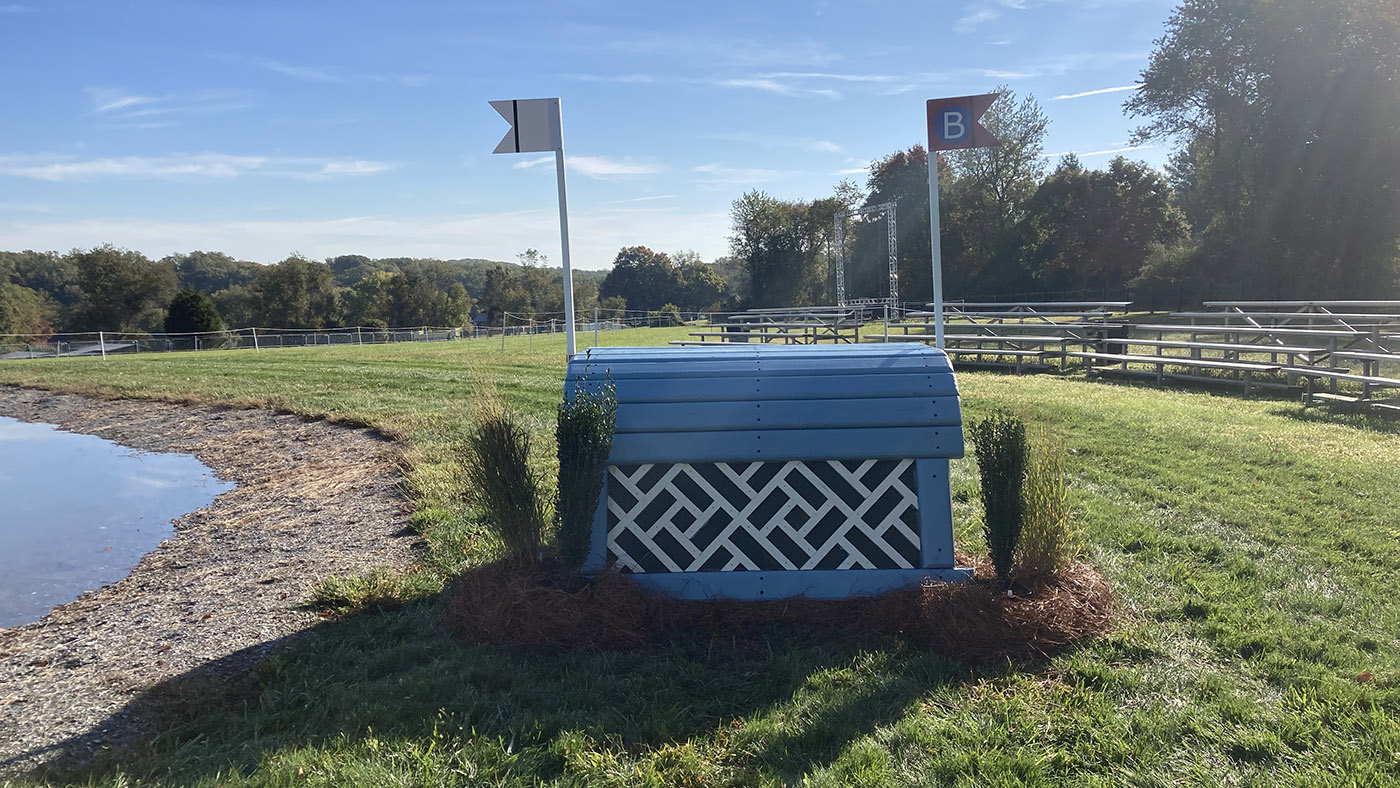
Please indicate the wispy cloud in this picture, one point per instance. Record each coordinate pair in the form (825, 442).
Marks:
(116, 105)
(1099, 92)
(61, 168)
(603, 167)
(328, 74)
(1112, 151)
(1106, 152)
(780, 88)
(828, 75)
(600, 167)
(305, 73)
(15, 8)
(1064, 64)
(526, 164)
(783, 83)
(109, 99)
(978, 14)
(356, 167)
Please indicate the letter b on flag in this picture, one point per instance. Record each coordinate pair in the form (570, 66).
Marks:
(953, 125)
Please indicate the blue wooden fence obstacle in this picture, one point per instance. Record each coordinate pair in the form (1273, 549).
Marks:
(767, 472)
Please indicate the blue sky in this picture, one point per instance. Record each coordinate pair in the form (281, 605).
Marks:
(264, 128)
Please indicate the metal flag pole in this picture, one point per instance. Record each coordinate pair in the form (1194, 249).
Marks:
(537, 125)
(952, 125)
(564, 244)
(936, 242)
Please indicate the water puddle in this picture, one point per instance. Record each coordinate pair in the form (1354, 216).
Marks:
(78, 512)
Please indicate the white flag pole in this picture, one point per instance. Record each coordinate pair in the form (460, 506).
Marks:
(936, 242)
(564, 245)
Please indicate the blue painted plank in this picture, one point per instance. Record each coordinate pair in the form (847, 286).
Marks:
(763, 389)
(787, 414)
(805, 583)
(780, 445)
(935, 512)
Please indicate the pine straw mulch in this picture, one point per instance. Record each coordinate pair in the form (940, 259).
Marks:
(974, 621)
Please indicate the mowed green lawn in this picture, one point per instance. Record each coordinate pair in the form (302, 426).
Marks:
(1255, 549)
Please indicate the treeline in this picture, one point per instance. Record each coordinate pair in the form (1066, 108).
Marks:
(1284, 182)
(111, 289)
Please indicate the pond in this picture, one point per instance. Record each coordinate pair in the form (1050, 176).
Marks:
(78, 512)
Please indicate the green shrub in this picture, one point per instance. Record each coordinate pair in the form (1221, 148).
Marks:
(1000, 442)
(584, 434)
(1048, 540)
(502, 483)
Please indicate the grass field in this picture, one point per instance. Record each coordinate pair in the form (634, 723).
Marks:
(1255, 549)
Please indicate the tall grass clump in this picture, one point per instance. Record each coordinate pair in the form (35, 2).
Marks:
(1000, 442)
(1049, 541)
(497, 465)
(584, 434)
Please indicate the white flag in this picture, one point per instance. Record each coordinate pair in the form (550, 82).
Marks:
(534, 125)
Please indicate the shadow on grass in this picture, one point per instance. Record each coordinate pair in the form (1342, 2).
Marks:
(1343, 417)
(397, 675)
(770, 698)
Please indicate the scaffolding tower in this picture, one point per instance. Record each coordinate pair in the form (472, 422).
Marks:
(887, 210)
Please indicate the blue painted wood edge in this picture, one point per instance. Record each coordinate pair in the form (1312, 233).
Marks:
(935, 513)
(790, 584)
(873, 443)
(598, 538)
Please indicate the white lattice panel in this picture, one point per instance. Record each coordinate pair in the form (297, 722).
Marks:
(763, 516)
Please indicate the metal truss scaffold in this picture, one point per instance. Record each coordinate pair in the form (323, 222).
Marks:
(888, 211)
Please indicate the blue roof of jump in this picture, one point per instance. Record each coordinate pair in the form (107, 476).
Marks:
(776, 403)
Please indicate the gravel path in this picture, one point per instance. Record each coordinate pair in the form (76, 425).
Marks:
(313, 499)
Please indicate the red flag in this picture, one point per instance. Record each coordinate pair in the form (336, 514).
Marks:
(953, 123)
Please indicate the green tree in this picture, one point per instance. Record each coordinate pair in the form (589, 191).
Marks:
(192, 312)
(701, 287)
(50, 273)
(24, 310)
(985, 195)
(785, 247)
(348, 269)
(370, 302)
(237, 305)
(1093, 228)
(503, 293)
(612, 308)
(425, 293)
(210, 272)
(122, 290)
(646, 279)
(1286, 115)
(297, 293)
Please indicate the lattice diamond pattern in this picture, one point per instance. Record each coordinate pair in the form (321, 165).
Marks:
(763, 516)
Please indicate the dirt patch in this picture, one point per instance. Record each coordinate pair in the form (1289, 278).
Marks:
(313, 499)
(974, 621)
